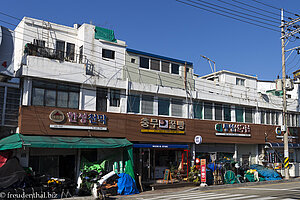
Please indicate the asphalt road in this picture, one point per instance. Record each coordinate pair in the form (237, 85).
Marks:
(283, 191)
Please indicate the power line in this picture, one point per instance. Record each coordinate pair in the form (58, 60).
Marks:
(250, 10)
(236, 12)
(272, 6)
(227, 16)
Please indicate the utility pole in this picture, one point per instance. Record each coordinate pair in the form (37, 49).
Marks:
(284, 110)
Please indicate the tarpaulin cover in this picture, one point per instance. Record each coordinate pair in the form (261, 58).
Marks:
(229, 177)
(104, 34)
(11, 172)
(18, 141)
(268, 174)
(126, 185)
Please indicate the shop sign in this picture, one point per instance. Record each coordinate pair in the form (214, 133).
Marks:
(80, 119)
(293, 133)
(154, 125)
(239, 130)
(203, 170)
(198, 139)
(57, 116)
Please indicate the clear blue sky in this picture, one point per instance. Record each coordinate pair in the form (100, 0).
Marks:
(172, 29)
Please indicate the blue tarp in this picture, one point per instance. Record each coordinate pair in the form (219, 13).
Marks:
(268, 174)
(126, 185)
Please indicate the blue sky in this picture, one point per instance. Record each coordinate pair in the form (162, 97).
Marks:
(172, 29)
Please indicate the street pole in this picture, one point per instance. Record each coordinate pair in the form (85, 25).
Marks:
(284, 110)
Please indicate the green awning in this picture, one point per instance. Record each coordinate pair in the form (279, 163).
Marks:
(18, 141)
(105, 34)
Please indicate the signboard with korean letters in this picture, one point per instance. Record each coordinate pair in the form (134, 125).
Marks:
(163, 126)
(78, 120)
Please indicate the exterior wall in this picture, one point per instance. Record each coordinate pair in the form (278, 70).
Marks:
(147, 76)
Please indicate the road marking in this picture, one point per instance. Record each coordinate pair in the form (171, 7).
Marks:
(178, 195)
(245, 197)
(274, 189)
(266, 198)
(197, 196)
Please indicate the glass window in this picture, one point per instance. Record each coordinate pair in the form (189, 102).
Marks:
(227, 113)
(163, 106)
(62, 99)
(50, 97)
(60, 49)
(38, 97)
(155, 65)
(273, 117)
(248, 115)
(101, 101)
(262, 117)
(73, 100)
(176, 107)
(239, 114)
(240, 81)
(165, 66)
(197, 106)
(106, 53)
(114, 98)
(218, 112)
(174, 68)
(147, 104)
(70, 51)
(277, 118)
(267, 117)
(207, 110)
(39, 43)
(144, 62)
(133, 104)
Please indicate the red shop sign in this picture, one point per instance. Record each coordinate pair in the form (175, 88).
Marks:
(203, 170)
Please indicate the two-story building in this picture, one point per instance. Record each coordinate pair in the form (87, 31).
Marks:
(85, 95)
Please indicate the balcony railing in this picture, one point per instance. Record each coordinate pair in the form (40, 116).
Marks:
(45, 52)
(35, 50)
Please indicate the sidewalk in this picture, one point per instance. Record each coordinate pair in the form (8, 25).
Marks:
(188, 188)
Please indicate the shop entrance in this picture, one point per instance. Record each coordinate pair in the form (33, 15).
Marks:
(67, 166)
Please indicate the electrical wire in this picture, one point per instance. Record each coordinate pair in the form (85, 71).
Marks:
(237, 12)
(268, 5)
(227, 16)
(250, 10)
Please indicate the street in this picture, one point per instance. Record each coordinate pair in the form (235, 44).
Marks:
(283, 191)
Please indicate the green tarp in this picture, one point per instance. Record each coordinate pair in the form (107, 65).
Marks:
(105, 34)
(18, 141)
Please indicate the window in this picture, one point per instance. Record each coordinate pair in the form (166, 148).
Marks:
(80, 54)
(132, 60)
(133, 104)
(176, 108)
(106, 53)
(163, 106)
(239, 114)
(60, 49)
(144, 62)
(267, 117)
(55, 94)
(207, 110)
(165, 66)
(101, 99)
(240, 81)
(147, 104)
(273, 118)
(39, 43)
(114, 98)
(248, 115)
(197, 106)
(155, 65)
(262, 117)
(227, 113)
(218, 112)
(277, 118)
(70, 51)
(174, 68)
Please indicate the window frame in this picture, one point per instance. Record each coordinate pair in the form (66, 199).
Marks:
(108, 54)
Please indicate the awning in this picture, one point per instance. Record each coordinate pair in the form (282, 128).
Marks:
(161, 146)
(281, 145)
(18, 141)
